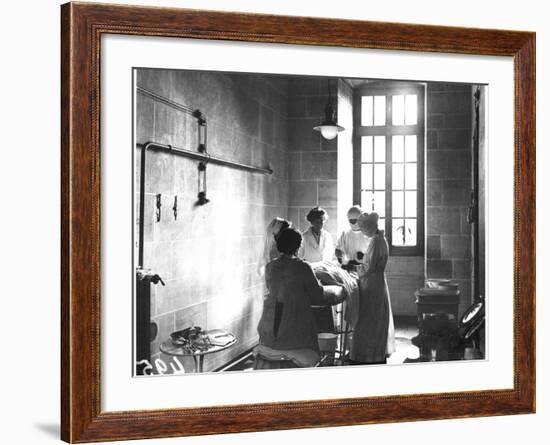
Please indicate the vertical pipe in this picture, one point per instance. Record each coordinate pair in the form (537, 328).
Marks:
(143, 287)
(142, 204)
(475, 167)
(143, 324)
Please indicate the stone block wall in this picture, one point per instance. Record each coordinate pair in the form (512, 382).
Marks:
(482, 184)
(209, 255)
(404, 275)
(312, 160)
(449, 176)
(344, 153)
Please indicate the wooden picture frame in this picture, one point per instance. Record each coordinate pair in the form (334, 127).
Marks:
(82, 26)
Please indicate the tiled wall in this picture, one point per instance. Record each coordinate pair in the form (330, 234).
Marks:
(449, 183)
(345, 153)
(404, 275)
(312, 160)
(209, 255)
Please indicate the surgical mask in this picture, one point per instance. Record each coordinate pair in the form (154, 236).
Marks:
(354, 224)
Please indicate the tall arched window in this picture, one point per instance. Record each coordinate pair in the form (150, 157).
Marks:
(389, 127)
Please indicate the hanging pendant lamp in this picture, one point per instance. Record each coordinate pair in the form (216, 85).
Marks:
(329, 128)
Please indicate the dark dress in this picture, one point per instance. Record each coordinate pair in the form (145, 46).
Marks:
(287, 320)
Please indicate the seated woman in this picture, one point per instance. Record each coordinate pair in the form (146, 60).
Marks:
(287, 328)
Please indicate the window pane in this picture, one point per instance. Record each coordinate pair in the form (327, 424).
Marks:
(410, 176)
(410, 148)
(410, 109)
(380, 203)
(398, 110)
(379, 110)
(397, 204)
(367, 200)
(382, 224)
(397, 177)
(410, 232)
(374, 202)
(366, 148)
(398, 232)
(410, 204)
(397, 149)
(366, 111)
(379, 148)
(379, 176)
(366, 176)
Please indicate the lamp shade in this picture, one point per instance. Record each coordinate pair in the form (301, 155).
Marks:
(329, 131)
(329, 128)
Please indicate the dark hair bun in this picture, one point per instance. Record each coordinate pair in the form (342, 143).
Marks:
(288, 241)
(316, 213)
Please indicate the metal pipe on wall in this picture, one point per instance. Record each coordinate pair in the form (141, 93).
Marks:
(204, 157)
(200, 155)
(475, 194)
(197, 156)
(165, 101)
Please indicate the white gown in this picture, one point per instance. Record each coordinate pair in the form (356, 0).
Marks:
(350, 242)
(374, 332)
(313, 252)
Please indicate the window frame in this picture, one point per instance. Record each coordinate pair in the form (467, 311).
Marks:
(390, 89)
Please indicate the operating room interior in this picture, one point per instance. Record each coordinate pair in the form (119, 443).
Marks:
(229, 152)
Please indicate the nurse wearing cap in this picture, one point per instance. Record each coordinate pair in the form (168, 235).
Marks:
(373, 334)
(270, 252)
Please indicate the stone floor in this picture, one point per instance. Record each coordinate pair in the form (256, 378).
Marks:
(405, 330)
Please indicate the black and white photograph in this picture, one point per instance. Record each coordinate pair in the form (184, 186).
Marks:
(286, 222)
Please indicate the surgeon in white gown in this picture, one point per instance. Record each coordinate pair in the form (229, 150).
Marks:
(352, 244)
